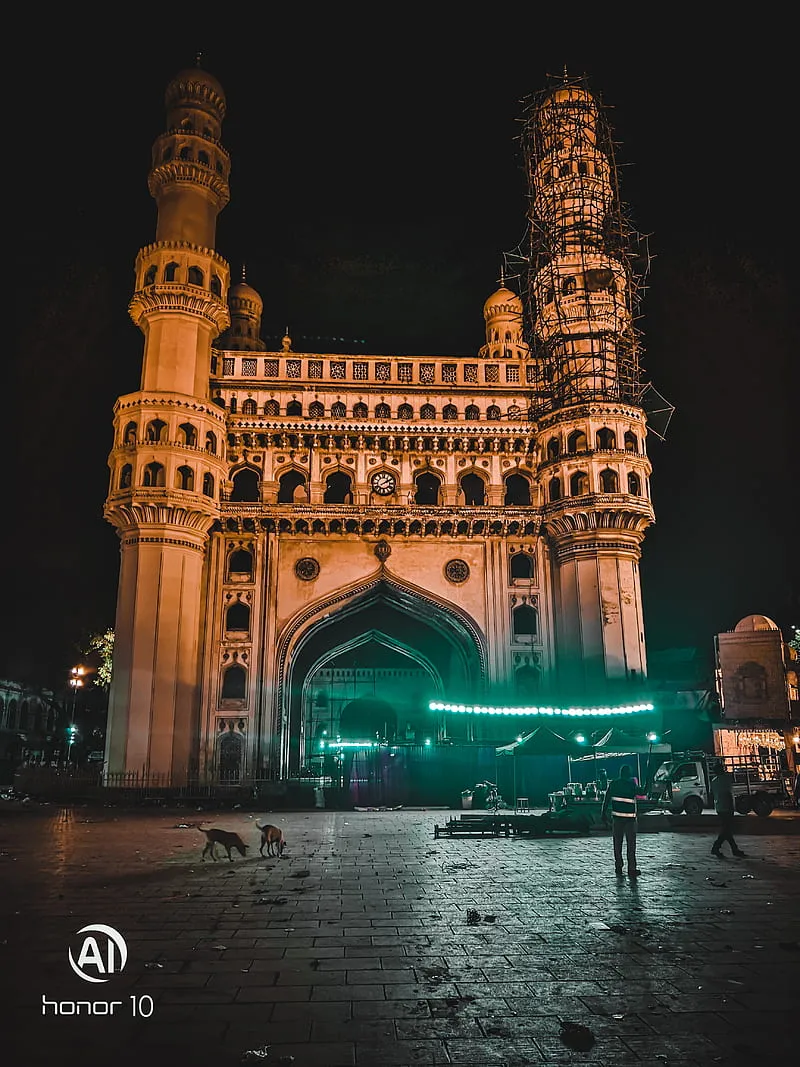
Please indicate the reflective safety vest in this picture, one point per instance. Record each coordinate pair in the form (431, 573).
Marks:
(623, 807)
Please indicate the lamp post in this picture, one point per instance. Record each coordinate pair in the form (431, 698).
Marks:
(76, 681)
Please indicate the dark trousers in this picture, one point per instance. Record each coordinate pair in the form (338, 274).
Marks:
(726, 832)
(624, 828)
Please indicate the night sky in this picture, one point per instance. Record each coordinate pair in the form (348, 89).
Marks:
(373, 195)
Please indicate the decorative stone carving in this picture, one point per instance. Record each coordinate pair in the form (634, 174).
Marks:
(307, 569)
(456, 571)
(383, 550)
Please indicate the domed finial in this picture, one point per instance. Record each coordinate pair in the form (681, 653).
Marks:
(286, 342)
(501, 281)
(197, 59)
(566, 76)
(244, 273)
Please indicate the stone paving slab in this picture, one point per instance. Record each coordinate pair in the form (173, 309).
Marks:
(355, 948)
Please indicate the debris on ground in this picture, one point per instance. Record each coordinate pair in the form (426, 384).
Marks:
(473, 917)
(300, 874)
(154, 965)
(277, 901)
(577, 1037)
(718, 885)
(255, 1055)
(726, 911)
(184, 826)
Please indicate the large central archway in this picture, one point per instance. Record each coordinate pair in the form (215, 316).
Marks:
(384, 619)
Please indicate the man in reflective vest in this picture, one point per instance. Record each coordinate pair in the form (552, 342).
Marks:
(621, 799)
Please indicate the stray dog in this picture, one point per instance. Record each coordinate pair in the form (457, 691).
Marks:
(272, 837)
(226, 838)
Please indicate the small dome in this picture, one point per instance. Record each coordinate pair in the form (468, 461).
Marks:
(195, 84)
(244, 293)
(754, 623)
(502, 301)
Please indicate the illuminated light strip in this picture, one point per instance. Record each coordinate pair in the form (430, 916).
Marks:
(349, 744)
(477, 709)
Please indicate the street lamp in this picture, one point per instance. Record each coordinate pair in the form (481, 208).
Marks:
(76, 681)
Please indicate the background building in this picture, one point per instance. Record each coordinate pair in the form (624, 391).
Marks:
(314, 545)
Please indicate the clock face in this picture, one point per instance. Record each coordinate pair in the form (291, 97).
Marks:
(384, 483)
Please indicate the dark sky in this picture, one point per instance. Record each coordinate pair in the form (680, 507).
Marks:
(376, 182)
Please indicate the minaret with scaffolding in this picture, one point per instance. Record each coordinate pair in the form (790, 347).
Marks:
(582, 293)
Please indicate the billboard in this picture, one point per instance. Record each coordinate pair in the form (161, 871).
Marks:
(752, 675)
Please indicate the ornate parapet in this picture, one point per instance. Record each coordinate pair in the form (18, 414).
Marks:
(172, 296)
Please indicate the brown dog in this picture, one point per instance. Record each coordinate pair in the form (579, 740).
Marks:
(226, 838)
(272, 837)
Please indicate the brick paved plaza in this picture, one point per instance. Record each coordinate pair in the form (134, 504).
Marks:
(355, 948)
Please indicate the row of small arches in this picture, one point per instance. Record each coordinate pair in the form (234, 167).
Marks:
(292, 489)
(184, 154)
(157, 431)
(565, 170)
(194, 276)
(608, 481)
(605, 440)
(316, 410)
(154, 476)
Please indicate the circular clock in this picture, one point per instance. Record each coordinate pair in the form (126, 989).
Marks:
(384, 483)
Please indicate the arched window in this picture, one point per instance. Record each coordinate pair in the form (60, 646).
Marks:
(338, 488)
(234, 683)
(427, 411)
(195, 276)
(427, 489)
(383, 411)
(405, 411)
(129, 437)
(527, 679)
(231, 756)
(232, 405)
(554, 489)
(579, 483)
(154, 475)
(202, 157)
(288, 484)
(360, 411)
(316, 410)
(472, 413)
(576, 442)
(188, 434)
(521, 566)
(150, 275)
(125, 476)
(184, 478)
(294, 407)
(609, 481)
(246, 486)
(338, 410)
(211, 442)
(568, 285)
(272, 408)
(208, 484)
(219, 400)
(606, 438)
(449, 412)
(553, 448)
(171, 272)
(474, 490)
(216, 285)
(219, 167)
(493, 412)
(156, 430)
(526, 621)
(631, 442)
(549, 294)
(634, 484)
(241, 562)
(185, 153)
(518, 491)
(249, 407)
(237, 617)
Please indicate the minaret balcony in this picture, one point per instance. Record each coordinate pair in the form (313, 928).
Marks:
(178, 297)
(189, 172)
(583, 313)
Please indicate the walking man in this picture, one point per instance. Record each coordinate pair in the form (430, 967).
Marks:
(621, 798)
(722, 790)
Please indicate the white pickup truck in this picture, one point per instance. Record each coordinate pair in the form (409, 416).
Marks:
(684, 783)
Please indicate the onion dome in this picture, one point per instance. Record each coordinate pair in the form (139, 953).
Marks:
(243, 298)
(754, 623)
(502, 302)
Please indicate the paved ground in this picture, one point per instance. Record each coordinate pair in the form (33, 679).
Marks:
(356, 949)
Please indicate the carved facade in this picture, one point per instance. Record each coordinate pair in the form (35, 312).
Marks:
(315, 545)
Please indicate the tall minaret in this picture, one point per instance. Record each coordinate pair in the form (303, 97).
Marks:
(167, 461)
(594, 472)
